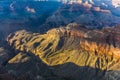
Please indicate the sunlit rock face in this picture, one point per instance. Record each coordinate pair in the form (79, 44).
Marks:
(116, 3)
(74, 49)
(113, 5)
(86, 49)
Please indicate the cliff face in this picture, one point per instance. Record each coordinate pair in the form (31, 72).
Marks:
(71, 52)
(74, 52)
(107, 3)
(3, 56)
(92, 16)
(24, 14)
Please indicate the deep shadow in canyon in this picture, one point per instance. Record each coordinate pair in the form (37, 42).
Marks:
(31, 67)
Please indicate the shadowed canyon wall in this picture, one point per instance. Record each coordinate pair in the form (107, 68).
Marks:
(73, 51)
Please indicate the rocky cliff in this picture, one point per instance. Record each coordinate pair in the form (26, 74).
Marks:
(93, 16)
(73, 52)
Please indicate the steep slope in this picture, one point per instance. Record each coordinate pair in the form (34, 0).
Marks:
(22, 14)
(3, 56)
(92, 16)
(87, 54)
(107, 3)
(6, 53)
(24, 66)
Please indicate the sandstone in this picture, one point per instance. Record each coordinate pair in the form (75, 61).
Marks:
(90, 52)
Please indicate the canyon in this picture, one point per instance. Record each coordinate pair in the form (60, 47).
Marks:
(76, 40)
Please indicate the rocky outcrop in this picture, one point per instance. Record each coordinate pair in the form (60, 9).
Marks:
(71, 52)
(92, 16)
(28, 15)
(113, 3)
(87, 54)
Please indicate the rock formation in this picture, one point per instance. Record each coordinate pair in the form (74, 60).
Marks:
(92, 16)
(72, 43)
(87, 54)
